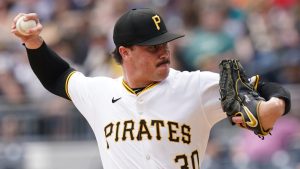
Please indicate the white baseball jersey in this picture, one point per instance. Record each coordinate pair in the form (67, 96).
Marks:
(166, 126)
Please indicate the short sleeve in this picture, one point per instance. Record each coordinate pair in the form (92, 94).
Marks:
(210, 97)
(77, 89)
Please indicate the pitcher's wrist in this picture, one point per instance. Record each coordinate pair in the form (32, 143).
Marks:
(34, 42)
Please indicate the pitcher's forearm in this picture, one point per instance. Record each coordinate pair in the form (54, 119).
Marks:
(270, 111)
(269, 90)
(50, 68)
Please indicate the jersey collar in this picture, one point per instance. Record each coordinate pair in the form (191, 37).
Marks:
(130, 90)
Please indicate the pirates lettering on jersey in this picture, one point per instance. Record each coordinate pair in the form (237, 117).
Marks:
(143, 130)
(128, 127)
(127, 131)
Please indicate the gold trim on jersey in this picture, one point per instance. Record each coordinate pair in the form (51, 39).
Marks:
(130, 90)
(127, 87)
(67, 83)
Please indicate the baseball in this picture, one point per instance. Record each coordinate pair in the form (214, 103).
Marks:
(24, 26)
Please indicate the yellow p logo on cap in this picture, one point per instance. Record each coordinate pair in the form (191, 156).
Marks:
(156, 20)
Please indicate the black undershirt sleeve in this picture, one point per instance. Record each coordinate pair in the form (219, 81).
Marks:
(51, 70)
(270, 89)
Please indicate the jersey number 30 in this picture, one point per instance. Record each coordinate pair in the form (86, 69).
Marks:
(183, 158)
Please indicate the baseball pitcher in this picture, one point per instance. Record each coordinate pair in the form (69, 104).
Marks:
(153, 116)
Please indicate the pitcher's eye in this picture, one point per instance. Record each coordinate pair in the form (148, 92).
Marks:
(153, 48)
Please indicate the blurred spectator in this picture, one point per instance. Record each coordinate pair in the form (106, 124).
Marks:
(11, 148)
(272, 152)
(99, 60)
(44, 8)
(208, 43)
(11, 90)
(275, 41)
(74, 27)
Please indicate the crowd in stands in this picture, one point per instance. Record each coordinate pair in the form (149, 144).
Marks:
(263, 34)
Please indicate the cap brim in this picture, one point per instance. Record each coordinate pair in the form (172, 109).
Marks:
(163, 38)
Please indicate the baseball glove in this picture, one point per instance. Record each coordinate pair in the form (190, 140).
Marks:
(239, 97)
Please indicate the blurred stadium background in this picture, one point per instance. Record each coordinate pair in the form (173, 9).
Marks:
(41, 131)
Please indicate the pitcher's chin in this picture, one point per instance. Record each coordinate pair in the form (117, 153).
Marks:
(163, 72)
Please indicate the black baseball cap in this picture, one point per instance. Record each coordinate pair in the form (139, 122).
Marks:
(142, 27)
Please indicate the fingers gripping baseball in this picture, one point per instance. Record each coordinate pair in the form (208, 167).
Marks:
(26, 26)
